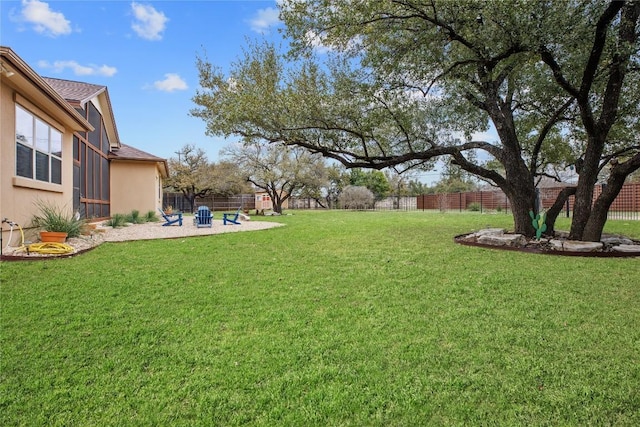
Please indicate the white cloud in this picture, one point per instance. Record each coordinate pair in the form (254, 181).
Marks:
(171, 82)
(149, 22)
(78, 69)
(264, 20)
(44, 20)
(317, 42)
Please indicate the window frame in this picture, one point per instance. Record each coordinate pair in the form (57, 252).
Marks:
(44, 146)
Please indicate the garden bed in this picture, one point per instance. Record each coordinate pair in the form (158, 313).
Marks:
(559, 244)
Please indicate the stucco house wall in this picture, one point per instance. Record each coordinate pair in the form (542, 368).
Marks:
(20, 85)
(128, 179)
(136, 182)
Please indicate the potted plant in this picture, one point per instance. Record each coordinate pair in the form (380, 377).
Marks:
(55, 223)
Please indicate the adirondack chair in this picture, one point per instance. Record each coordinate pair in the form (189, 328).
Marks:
(171, 219)
(231, 218)
(203, 217)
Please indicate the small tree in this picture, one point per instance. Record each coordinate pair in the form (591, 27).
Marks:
(190, 173)
(374, 180)
(229, 179)
(356, 197)
(280, 171)
(338, 179)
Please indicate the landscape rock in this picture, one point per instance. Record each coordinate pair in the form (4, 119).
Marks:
(626, 248)
(503, 239)
(489, 231)
(559, 244)
(575, 246)
(616, 240)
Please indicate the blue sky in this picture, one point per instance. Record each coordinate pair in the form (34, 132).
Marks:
(144, 52)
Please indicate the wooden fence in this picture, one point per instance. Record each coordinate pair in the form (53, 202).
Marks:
(215, 203)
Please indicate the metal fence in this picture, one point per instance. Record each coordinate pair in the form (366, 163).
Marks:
(403, 203)
(625, 206)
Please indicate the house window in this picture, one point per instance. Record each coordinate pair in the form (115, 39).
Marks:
(38, 148)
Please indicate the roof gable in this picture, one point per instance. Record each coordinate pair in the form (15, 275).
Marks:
(79, 93)
(75, 92)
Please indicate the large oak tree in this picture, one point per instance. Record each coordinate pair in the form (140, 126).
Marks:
(409, 81)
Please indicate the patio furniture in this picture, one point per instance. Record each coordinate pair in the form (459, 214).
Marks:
(171, 219)
(231, 218)
(203, 217)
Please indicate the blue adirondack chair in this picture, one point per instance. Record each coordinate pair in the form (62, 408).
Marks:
(231, 218)
(203, 217)
(171, 219)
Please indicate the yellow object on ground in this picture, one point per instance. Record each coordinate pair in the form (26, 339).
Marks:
(48, 248)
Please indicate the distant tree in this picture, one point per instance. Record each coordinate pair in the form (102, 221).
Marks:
(356, 197)
(374, 180)
(453, 179)
(318, 184)
(337, 180)
(229, 179)
(190, 173)
(416, 188)
(280, 171)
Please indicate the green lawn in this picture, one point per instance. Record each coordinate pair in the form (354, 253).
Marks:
(339, 318)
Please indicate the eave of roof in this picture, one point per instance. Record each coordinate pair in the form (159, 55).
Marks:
(23, 76)
(127, 152)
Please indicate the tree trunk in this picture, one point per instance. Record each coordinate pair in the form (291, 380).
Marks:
(584, 190)
(191, 198)
(521, 193)
(619, 173)
(592, 231)
(276, 200)
(521, 204)
(556, 208)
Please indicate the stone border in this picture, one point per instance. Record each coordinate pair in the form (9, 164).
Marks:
(496, 238)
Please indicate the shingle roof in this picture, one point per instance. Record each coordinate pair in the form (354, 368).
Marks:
(79, 93)
(75, 91)
(127, 152)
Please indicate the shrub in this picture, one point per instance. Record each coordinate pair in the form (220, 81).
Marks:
(151, 217)
(474, 207)
(355, 197)
(135, 218)
(54, 218)
(117, 220)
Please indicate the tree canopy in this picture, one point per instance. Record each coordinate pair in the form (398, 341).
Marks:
(191, 173)
(279, 170)
(408, 81)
